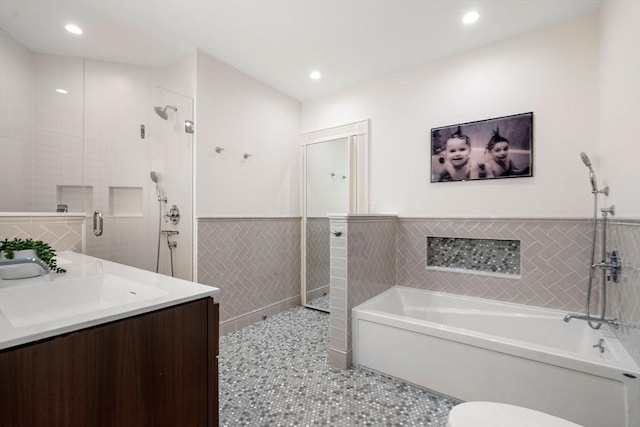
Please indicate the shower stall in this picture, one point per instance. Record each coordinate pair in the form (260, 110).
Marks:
(149, 174)
(149, 170)
(83, 137)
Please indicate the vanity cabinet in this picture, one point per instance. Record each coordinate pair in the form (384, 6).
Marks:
(154, 369)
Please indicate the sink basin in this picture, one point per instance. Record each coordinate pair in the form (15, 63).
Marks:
(60, 261)
(27, 305)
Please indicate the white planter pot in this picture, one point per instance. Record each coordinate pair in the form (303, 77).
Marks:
(21, 271)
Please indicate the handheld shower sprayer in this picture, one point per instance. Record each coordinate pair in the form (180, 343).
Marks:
(592, 176)
(155, 178)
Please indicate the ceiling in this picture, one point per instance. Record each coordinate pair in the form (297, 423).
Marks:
(280, 41)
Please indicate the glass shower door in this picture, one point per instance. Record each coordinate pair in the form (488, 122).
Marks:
(125, 140)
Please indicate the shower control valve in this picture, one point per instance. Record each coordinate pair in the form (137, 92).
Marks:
(173, 215)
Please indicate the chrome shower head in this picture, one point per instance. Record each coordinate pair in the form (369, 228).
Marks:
(592, 174)
(162, 111)
(154, 176)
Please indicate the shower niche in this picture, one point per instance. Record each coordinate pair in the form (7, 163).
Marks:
(75, 198)
(126, 201)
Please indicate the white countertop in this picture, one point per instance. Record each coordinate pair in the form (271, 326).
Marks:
(92, 292)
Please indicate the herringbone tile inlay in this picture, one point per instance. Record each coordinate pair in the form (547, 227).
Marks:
(254, 262)
(554, 260)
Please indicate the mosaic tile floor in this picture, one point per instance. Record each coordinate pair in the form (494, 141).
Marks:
(320, 303)
(275, 373)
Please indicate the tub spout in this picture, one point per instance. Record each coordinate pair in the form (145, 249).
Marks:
(611, 322)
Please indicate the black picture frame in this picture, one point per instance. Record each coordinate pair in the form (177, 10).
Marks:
(496, 148)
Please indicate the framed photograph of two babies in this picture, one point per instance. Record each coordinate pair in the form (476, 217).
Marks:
(486, 149)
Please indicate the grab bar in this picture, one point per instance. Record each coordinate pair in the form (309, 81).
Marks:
(97, 223)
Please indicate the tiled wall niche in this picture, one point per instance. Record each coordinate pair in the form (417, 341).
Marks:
(256, 264)
(478, 256)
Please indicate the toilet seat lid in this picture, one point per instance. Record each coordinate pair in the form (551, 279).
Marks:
(493, 414)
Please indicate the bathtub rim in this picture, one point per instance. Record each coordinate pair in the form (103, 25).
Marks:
(545, 354)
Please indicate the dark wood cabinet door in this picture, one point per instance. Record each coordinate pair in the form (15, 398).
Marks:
(156, 369)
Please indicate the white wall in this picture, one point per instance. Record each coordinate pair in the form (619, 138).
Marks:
(620, 104)
(180, 76)
(552, 72)
(57, 151)
(243, 115)
(16, 124)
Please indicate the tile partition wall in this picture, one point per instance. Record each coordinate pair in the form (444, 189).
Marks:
(63, 232)
(256, 264)
(363, 262)
(623, 300)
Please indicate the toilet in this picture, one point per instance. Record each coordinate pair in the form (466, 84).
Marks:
(493, 414)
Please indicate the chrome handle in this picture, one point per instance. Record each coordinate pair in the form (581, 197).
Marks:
(97, 223)
(336, 233)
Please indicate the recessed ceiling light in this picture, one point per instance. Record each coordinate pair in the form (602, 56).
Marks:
(470, 17)
(62, 91)
(73, 29)
(315, 75)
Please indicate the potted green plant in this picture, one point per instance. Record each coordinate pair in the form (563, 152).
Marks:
(27, 248)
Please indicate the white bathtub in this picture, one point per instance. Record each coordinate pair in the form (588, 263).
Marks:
(477, 349)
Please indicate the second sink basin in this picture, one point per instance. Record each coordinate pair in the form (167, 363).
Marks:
(26, 305)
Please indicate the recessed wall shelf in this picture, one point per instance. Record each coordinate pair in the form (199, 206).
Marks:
(125, 201)
(78, 198)
(479, 256)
